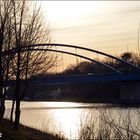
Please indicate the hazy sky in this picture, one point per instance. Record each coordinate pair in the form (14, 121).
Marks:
(108, 26)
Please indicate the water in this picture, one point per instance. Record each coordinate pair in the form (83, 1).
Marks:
(67, 118)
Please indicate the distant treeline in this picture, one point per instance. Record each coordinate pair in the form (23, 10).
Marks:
(90, 67)
(87, 67)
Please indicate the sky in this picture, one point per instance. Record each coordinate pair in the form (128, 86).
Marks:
(108, 26)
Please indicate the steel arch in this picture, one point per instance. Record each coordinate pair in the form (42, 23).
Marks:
(83, 48)
(74, 46)
(45, 49)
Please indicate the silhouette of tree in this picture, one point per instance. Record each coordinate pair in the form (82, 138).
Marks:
(5, 44)
(21, 24)
(86, 67)
(127, 56)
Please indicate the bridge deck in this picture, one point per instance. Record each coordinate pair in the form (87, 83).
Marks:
(77, 79)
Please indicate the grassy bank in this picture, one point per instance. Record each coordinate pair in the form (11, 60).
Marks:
(24, 133)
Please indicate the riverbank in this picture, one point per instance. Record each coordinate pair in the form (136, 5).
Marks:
(24, 133)
(108, 102)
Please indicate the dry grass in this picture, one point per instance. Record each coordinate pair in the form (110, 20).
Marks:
(24, 133)
(110, 124)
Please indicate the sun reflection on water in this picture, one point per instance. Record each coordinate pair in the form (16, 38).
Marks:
(67, 120)
(60, 104)
(54, 117)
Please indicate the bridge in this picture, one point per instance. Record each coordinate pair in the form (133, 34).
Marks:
(79, 79)
(117, 76)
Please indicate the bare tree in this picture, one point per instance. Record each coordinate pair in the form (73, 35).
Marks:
(24, 25)
(5, 43)
(29, 29)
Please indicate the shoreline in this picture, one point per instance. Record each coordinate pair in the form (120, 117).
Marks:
(110, 102)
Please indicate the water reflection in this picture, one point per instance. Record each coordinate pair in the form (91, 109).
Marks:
(67, 120)
(74, 120)
(51, 116)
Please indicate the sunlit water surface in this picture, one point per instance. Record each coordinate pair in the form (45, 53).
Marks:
(62, 118)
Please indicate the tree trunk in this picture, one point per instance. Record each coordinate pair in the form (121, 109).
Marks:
(17, 115)
(17, 112)
(12, 111)
(2, 108)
